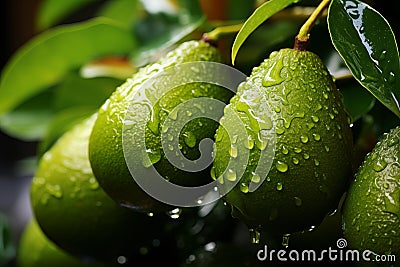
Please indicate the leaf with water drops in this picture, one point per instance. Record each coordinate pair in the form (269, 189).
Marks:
(368, 46)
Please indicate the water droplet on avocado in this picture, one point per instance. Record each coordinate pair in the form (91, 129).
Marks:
(315, 119)
(212, 173)
(233, 151)
(327, 149)
(297, 201)
(255, 178)
(304, 139)
(54, 190)
(230, 175)
(281, 166)
(393, 141)
(189, 139)
(326, 96)
(279, 186)
(273, 76)
(317, 137)
(244, 188)
(380, 165)
(93, 184)
(277, 109)
(285, 151)
(297, 150)
(280, 130)
(249, 142)
(295, 161)
(306, 156)
(316, 162)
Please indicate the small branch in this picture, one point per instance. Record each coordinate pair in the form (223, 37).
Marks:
(215, 34)
(304, 33)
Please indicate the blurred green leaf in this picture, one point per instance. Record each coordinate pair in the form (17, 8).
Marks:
(357, 101)
(158, 32)
(52, 11)
(367, 44)
(7, 247)
(259, 16)
(29, 120)
(76, 91)
(62, 122)
(46, 59)
(127, 12)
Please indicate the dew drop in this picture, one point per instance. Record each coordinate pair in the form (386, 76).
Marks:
(189, 139)
(244, 188)
(93, 184)
(315, 119)
(281, 166)
(316, 162)
(285, 151)
(380, 165)
(326, 96)
(304, 139)
(230, 175)
(280, 130)
(331, 116)
(393, 141)
(277, 109)
(327, 149)
(306, 156)
(54, 190)
(273, 77)
(297, 150)
(249, 142)
(317, 137)
(279, 186)
(256, 178)
(295, 161)
(233, 151)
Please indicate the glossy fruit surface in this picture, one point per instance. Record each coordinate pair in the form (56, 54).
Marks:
(73, 210)
(289, 101)
(106, 142)
(36, 250)
(371, 213)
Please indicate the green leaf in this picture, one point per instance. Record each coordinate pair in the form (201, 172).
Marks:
(46, 59)
(367, 44)
(127, 12)
(158, 32)
(61, 123)
(357, 101)
(259, 16)
(53, 11)
(29, 120)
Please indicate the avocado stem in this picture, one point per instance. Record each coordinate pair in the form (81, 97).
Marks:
(215, 34)
(303, 36)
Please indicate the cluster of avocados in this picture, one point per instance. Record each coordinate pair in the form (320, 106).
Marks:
(86, 202)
